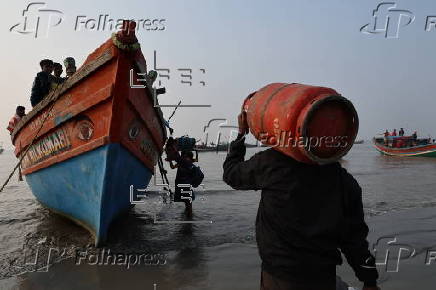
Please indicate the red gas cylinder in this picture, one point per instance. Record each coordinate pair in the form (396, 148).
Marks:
(311, 124)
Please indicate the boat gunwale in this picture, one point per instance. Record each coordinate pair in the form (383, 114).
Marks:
(378, 145)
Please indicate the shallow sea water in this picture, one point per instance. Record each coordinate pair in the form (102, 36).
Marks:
(218, 251)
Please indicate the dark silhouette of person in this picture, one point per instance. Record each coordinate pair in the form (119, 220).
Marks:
(42, 83)
(308, 214)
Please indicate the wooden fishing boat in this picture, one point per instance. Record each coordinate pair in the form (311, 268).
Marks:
(406, 146)
(95, 137)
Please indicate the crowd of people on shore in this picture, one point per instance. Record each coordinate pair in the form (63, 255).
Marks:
(46, 80)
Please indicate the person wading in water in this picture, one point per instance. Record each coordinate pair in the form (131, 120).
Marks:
(307, 216)
(188, 175)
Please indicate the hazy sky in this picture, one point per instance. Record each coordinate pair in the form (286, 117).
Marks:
(244, 45)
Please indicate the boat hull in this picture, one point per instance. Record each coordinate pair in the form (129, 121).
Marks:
(418, 151)
(91, 189)
(93, 137)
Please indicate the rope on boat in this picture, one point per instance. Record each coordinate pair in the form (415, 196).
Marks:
(163, 174)
(162, 170)
(28, 148)
(175, 109)
(167, 122)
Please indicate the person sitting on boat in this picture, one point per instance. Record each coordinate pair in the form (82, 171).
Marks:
(401, 132)
(394, 133)
(41, 85)
(70, 66)
(20, 112)
(56, 78)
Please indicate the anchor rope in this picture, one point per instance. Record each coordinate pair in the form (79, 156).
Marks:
(28, 147)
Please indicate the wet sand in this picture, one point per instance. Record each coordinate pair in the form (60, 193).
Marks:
(237, 266)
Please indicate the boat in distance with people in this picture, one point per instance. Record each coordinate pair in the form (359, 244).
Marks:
(405, 146)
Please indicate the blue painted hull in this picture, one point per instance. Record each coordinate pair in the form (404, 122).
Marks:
(93, 188)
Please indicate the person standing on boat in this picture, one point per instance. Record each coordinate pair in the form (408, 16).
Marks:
(386, 137)
(56, 78)
(415, 139)
(394, 133)
(70, 66)
(401, 132)
(41, 85)
(307, 215)
(20, 112)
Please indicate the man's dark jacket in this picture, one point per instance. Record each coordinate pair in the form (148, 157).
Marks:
(307, 216)
(40, 88)
(185, 175)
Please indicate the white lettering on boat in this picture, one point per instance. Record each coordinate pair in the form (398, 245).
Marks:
(47, 147)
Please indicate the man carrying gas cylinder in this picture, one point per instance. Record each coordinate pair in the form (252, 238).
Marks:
(308, 212)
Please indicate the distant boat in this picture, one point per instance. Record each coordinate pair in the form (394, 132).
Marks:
(405, 146)
(211, 148)
(220, 147)
(361, 141)
(99, 137)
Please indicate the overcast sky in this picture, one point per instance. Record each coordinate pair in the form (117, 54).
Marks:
(242, 46)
